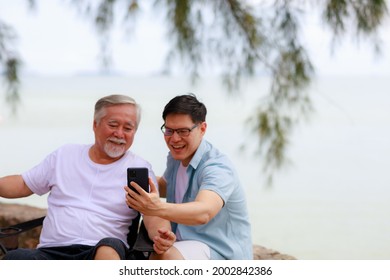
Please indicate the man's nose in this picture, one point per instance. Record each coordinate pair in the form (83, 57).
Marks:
(119, 132)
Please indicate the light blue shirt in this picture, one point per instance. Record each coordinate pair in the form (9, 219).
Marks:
(228, 234)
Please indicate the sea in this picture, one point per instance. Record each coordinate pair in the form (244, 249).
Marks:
(331, 202)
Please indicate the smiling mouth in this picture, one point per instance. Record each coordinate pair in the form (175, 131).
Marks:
(177, 147)
(117, 141)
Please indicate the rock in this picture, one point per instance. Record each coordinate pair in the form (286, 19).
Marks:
(17, 213)
(11, 214)
(262, 253)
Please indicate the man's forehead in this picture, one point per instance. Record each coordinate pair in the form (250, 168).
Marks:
(117, 121)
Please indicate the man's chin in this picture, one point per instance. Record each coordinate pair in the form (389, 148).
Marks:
(177, 156)
(115, 153)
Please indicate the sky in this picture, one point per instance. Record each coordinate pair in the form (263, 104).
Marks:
(55, 40)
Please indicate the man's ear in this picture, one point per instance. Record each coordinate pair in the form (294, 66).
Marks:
(203, 127)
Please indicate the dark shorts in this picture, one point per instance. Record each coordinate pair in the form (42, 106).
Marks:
(72, 252)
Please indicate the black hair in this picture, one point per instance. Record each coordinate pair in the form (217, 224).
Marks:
(186, 104)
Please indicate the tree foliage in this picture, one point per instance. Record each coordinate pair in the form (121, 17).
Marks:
(10, 62)
(240, 38)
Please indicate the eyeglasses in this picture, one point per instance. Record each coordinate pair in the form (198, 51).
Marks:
(182, 132)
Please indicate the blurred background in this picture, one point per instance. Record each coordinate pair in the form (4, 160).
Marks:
(331, 202)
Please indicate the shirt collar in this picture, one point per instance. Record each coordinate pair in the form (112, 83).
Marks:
(196, 159)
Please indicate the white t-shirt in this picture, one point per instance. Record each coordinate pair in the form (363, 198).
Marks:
(87, 200)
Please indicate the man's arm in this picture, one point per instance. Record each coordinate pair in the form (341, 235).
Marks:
(206, 205)
(13, 186)
(160, 233)
(162, 186)
(153, 224)
(159, 230)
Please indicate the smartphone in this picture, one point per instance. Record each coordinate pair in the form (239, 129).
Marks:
(140, 175)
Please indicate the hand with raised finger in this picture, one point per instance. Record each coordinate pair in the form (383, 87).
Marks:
(163, 241)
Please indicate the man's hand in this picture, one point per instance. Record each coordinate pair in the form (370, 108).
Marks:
(144, 202)
(163, 241)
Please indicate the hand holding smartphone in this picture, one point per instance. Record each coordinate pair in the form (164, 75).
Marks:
(140, 175)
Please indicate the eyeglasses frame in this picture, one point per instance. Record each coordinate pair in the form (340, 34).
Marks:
(178, 129)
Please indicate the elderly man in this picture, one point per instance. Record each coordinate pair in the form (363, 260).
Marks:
(87, 216)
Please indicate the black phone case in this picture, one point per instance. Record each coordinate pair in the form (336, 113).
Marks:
(140, 175)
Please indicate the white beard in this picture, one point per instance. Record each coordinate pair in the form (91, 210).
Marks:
(113, 150)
